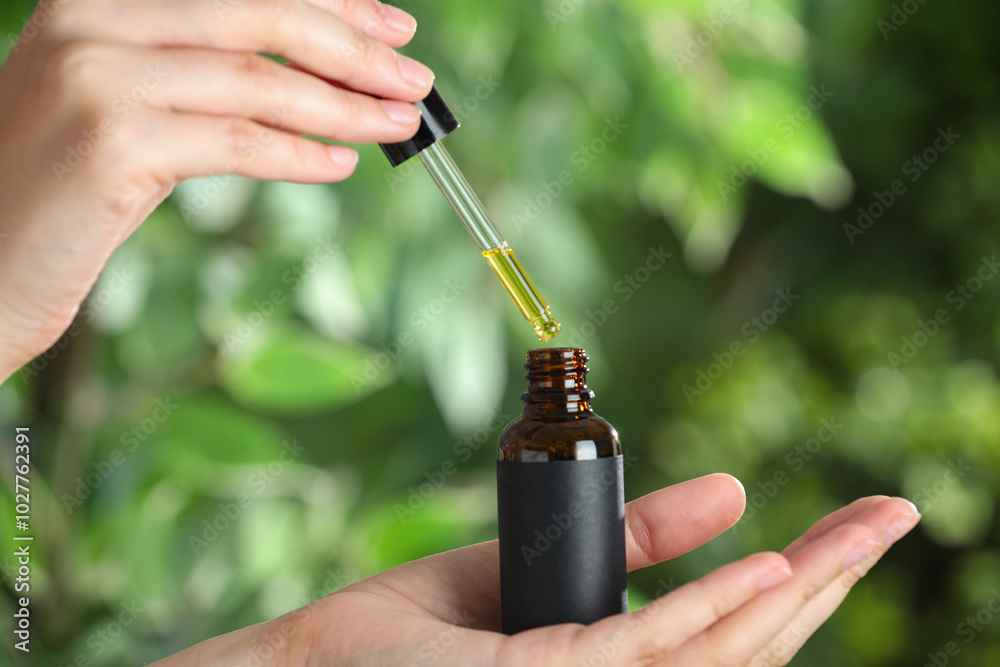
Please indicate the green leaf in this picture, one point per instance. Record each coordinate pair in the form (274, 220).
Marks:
(211, 430)
(299, 372)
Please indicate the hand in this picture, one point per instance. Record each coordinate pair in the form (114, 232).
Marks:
(112, 103)
(445, 609)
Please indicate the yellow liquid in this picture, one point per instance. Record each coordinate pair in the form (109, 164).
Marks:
(505, 264)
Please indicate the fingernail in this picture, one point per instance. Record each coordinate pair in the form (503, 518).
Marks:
(773, 578)
(416, 74)
(403, 113)
(398, 20)
(910, 503)
(343, 156)
(899, 526)
(862, 552)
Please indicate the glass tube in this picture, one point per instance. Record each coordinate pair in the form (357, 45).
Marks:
(495, 249)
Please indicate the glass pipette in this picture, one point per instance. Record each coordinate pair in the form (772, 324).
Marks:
(495, 249)
(437, 121)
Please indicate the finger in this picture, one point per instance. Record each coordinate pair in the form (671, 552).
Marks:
(832, 520)
(885, 507)
(892, 520)
(816, 612)
(658, 526)
(646, 635)
(217, 145)
(738, 637)
(381, 21)
(672, 521)
(303, 33)
(252, 86)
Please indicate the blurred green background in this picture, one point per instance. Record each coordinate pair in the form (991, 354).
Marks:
(247, 319)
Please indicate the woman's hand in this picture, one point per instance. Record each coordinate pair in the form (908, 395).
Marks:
(445, 609)
(112, 103)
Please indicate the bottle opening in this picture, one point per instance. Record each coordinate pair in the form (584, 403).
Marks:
(558, 375)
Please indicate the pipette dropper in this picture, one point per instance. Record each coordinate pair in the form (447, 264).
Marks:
(437, 122)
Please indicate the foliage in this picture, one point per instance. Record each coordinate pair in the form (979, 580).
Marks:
(277, 317)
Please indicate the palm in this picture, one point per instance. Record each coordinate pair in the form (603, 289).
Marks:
(445, 609)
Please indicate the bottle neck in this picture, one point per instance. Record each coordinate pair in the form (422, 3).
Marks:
(557, 384)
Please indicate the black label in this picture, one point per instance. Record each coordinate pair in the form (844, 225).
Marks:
(562, 542)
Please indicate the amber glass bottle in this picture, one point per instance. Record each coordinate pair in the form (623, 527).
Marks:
(560, 502)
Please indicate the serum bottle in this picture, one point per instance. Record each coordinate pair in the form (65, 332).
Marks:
(561, 502)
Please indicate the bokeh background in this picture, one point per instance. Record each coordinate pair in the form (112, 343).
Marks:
(355, 327)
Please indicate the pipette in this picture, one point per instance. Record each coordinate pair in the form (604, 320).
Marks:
(436, 123)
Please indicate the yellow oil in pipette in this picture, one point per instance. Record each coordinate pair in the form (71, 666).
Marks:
(501, 258)
(522, 291)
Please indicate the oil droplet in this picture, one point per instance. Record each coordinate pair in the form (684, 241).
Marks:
(546, 328)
